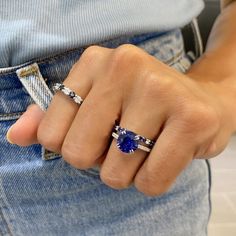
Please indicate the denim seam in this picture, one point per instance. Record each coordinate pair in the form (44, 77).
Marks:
(209, 191)
(65, 53)
(4, 204)
(61, 56)
(10, 116)
(6, 225)
(175, 58)
(57, 56)
(50, 156)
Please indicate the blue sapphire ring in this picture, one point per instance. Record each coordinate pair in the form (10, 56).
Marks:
(129, 142)
(68, 92)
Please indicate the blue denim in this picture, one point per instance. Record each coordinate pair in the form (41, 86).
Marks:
(39, 197)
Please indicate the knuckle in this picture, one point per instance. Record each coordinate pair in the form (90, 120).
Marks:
(126, 56)
(211, 117)
(166, 85)
(114, 181)
(200, 117)
(153, 87)
(149, 85)
(91, 55)
(92, 51)
(75, 156)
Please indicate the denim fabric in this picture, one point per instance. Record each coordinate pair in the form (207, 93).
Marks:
(40, 197)
(35, 84)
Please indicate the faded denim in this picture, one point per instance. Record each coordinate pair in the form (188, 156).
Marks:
(39, 197)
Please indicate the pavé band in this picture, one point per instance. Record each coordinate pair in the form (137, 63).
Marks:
(129, 142)
(68, 92)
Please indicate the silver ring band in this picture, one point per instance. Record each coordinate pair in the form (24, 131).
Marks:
(68, 92)
(147, 141)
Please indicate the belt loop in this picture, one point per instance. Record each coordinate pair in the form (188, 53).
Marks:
(34, 83)
(197, 37)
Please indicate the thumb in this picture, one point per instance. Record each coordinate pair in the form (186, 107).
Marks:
(24, 131)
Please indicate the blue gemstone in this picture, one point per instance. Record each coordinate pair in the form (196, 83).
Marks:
(72, 94)
(126, 142)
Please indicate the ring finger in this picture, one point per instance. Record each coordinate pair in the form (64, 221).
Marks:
(119, 168)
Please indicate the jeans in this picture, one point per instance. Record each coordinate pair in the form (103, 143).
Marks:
(40, 194)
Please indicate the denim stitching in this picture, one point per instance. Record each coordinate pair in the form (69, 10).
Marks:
(10, 116)
(32, 79)
(48, 155)
(7, 227)
(52, 156)
(175, 58)
(64, 54)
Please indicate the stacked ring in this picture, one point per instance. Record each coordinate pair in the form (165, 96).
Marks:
(68, 92)
(129, 142)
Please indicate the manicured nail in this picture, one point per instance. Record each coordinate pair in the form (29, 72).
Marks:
(7, 136)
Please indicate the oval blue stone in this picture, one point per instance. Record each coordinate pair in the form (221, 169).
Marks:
(126, 142)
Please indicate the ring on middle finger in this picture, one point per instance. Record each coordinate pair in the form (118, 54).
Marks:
(68, 92)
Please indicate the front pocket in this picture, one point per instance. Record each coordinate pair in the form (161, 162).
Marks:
(15, 158)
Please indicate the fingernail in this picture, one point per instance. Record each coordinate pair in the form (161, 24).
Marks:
(7, 136)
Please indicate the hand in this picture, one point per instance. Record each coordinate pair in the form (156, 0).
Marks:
(185, 117)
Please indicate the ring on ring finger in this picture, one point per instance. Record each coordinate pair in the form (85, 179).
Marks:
(129, 142)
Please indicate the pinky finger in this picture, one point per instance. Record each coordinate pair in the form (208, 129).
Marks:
(171, 154)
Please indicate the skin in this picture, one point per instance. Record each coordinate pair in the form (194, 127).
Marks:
(225, 3)
(190, 116)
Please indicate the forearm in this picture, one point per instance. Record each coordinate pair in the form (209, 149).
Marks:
(220, 56)
(217, 67)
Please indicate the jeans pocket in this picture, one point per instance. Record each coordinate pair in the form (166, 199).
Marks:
(14, 159)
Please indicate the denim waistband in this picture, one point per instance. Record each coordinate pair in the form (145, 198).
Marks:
(8, 75)
(166, 46)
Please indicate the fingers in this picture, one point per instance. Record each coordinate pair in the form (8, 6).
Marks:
(170, 155)
(24, 131)
(60, 114)
(90, 133)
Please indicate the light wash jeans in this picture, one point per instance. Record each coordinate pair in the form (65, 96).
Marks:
(40, 194)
